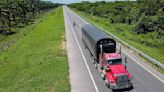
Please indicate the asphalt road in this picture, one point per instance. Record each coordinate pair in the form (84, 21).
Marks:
(83, 75)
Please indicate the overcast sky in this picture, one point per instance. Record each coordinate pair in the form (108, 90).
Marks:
(73, 1)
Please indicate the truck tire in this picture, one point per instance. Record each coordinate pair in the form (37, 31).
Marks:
(106, 83)
(103, 77)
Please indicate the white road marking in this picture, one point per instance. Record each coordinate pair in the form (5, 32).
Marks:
(83, 56)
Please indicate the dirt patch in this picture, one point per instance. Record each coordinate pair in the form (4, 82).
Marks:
(63, 44)
(6, 45)
(50, 89)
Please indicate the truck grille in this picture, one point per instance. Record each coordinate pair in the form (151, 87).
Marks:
(122, 80)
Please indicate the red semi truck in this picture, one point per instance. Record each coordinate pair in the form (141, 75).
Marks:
(109, 63)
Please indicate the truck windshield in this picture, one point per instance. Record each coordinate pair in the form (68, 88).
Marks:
(114, 61)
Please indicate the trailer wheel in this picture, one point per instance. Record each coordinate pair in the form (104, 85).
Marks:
(106, 83)
(103, 78)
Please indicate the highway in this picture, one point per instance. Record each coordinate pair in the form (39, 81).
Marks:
(83, 75)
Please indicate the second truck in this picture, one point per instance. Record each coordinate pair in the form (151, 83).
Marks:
(109, 63)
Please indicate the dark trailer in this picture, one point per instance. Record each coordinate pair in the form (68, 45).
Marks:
(93, 38)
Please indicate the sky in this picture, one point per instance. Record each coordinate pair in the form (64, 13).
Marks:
(73, 1)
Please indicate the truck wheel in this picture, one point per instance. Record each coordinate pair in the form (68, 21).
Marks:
(103, 78)
(106, 83)
(103, 75)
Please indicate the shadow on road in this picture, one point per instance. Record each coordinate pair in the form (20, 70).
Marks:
(123, 90)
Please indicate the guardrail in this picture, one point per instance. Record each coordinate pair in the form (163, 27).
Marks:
(152, 60)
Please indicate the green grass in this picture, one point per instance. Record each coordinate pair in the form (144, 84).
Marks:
(125, 32)
(21, 32)
(37, 62)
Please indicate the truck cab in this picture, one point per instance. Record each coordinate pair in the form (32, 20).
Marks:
(115, 74)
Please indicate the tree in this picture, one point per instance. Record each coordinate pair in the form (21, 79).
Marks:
(14, 12)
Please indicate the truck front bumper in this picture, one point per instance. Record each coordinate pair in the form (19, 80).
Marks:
(125, 86)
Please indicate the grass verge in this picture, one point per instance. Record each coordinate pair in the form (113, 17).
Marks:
(8, 40)
(123, 31)
(37, 62)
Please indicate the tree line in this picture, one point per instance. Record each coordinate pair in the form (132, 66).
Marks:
(16, 13)
(146, 15)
